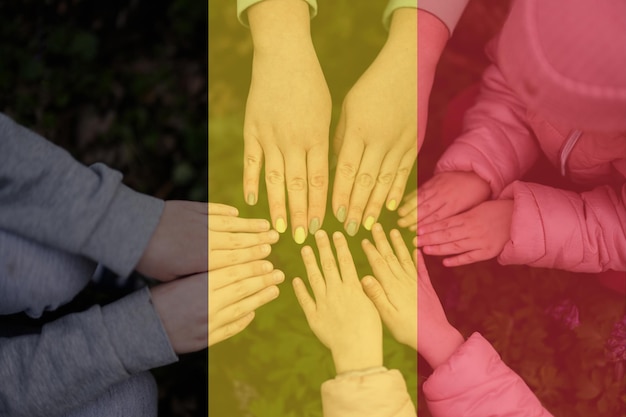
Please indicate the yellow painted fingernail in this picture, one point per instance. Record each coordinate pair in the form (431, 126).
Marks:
(341, 214)
(392, 205)
(369, 222)
(314, 226)
(352, 228)
(281, 226)
(300, 235)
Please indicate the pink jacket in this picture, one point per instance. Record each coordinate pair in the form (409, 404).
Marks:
(474, 382)
(560, 90)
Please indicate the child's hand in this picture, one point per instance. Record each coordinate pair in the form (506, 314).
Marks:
(234, 240)
(476, 235)
(376, 137)
(408, 212)
(447, 194)
(341, 315)
(235, 292)
(394, 291)
(287, 119)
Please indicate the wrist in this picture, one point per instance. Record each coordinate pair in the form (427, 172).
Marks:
(275, 24)
(441, 345)
(358, 357)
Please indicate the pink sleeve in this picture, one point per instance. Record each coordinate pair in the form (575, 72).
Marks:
(497, 143)
(382, 394)
(475, 382)
(561, 229)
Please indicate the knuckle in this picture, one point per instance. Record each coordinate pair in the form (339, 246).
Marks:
(380, 262)
(385, 178)
(252, 160)
(274, 177)
(365, 180)
(356, 209)
(390, 257)
(296, 184)
(403, 172)
(347, 170)
(328, 265)
(233, 257)
(318, 181)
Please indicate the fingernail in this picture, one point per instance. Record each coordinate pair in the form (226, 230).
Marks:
(341, 214)
(392, 205)
(266, 249)
(273, 235)
(273, 292)
(278, 277)
(267, 267)
(300, 235)
(251, 199)
(281, 226)
(314, 225)
(352, 228)
(369, 222)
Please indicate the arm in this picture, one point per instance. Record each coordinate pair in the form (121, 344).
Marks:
(287, 118)
(555, 228)
(79, 356)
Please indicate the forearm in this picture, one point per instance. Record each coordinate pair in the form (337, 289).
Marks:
(439, 345)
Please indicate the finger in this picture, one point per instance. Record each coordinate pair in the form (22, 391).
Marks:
(362, 188)
(316, 280)
(382, 186)
(221, 223)
(241, 289)
(327, 259)
(409, 204)
(449, 223)
(247, 305)
(415, 241)
(231, 329)
(222, 209)
(347, 167)
(295, 165)
(384, 248)
(409, 220)
(227, 240)
(401, 179)
(345, 260)
(376, 293)
(422, 272)
(275, 184)
(452, 248)
(304, 298)
(225, 276)
(444, 236)
(222, 258)
(317, 166)
(379, 266)
(466, 258)
(252, 162)
(430, 212)
(402, 252)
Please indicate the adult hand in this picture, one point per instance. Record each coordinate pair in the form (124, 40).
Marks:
(235, 292)
(182, 307)
(287, 118)
(376, 135)
(476, 235)
(234, 240)
(394, 290)
(178, 246)
(341, 315)
(444, 195)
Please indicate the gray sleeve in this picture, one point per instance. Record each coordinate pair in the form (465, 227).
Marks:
(78, 357)
(448, 11)
(49, 197)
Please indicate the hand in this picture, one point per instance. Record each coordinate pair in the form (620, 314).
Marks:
(447, 194)
(341, 316)
(178, 246)
(235, 292)
(478, 234)
(408, 212)
(233, 240)
(182, 307)
(394, 290)
(377, 131)
(287, 118)
(437, 338)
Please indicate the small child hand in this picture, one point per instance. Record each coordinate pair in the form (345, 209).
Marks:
(445, 195)
(478, 234)
(341, 315)
(394, 291)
